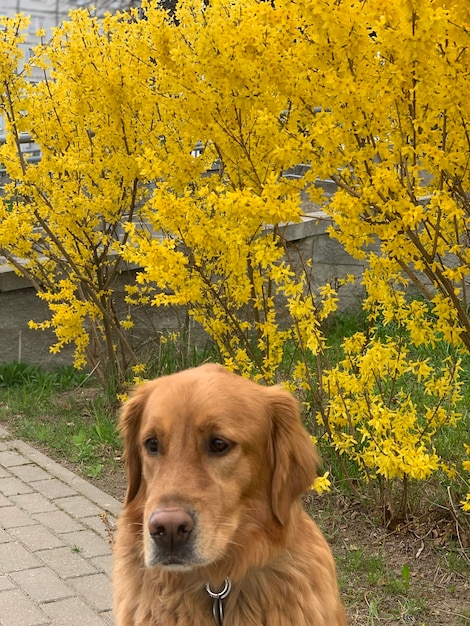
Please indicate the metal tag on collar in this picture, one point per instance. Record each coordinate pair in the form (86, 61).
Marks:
(219, 597)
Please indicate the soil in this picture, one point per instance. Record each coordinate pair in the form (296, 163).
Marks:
(417, 574)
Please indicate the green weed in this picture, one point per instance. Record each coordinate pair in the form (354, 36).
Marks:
(56, 410)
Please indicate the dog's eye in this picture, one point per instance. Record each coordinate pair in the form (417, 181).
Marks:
(151, 445)
(219, 446)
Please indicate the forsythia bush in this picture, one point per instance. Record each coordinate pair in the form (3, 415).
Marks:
(466, 465)
(66, 214)
(165, 144)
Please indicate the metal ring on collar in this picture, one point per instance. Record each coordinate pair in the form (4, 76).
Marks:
(220, 595)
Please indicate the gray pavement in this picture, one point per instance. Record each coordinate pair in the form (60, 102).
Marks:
(55, 542)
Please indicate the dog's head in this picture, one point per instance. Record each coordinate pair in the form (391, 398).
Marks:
(209, 454)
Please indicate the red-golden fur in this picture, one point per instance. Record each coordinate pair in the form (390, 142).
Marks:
(230, 458)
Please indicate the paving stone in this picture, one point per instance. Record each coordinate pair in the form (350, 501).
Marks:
(33, 503)
(14, 516)
(4, 501)
(87, 543)
(103, 524)
(36, 538)
(103, 564)
(78, 506)
(72, 612)
(53, 488)
(108, 617)
(66, 563)
(58, 521)
(12, 486)
(14, 557)
(96, 589)
(16, 609)
(103, 500)
(30, 473)
(42, 584)
(6, 583)
(55, 552)
(10, 458)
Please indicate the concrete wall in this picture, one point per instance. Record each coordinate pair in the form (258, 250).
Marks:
(330, 262)
(19, 302)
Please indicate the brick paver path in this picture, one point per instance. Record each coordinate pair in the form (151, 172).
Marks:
(55, 552)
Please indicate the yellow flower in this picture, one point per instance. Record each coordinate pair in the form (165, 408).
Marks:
(321, 483)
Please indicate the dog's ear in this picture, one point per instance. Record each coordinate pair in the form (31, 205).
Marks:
(292, 453)
(129, 425)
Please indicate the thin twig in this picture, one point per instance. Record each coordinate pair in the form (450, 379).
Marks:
(457, 525)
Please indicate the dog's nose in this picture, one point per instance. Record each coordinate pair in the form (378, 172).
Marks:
(170, 528)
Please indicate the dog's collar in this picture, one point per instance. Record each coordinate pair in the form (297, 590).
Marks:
(218, 598)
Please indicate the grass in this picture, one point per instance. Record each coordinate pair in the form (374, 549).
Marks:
(59, 411)
(388, 590)
(175, 352)
(25, 375)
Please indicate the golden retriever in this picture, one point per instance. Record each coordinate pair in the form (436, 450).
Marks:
(216, 466)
